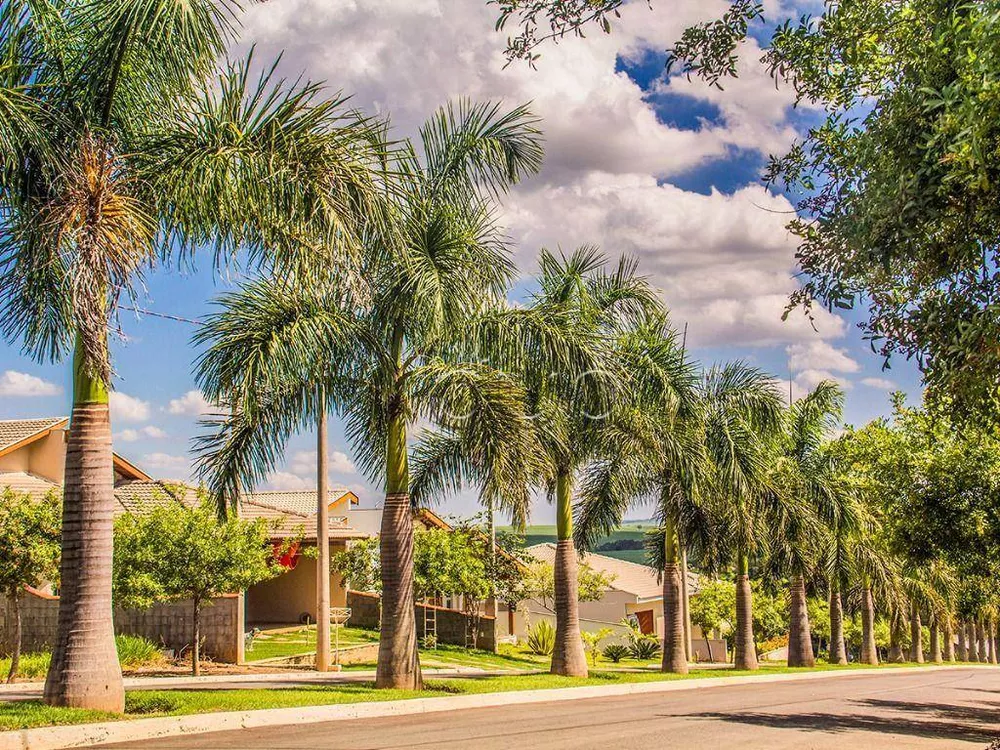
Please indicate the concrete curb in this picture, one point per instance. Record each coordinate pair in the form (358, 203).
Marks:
(84, 735)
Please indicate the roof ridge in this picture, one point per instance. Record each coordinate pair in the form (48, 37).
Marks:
(249, 499)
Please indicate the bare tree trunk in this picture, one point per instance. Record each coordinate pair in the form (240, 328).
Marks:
(935, 642)
(568, 657)
(84, 672)
(686, 601)
(15, 656)
(916, 636)
(949, 639)
(800, 650)
(674, 658)
(196, 648)
(745, 656)
(963, 650)
(838, 649)
(895, 642)
(869, 649)
(322, 539)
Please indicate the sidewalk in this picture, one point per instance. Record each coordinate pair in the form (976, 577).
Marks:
(20, 691)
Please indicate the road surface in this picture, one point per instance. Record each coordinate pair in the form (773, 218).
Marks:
(955, 708)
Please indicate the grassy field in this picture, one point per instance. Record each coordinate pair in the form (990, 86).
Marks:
(630, 530)
(146, 703)
(271, 645)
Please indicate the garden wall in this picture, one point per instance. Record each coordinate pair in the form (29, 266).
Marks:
(166, 624)
(453, 626)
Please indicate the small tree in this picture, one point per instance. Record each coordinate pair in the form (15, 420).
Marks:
(540, 584)
(714, 608)
(359, 566)
(171, 552)
(29, 552)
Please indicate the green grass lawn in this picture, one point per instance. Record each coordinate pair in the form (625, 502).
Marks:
(147, 703)
(270, 645)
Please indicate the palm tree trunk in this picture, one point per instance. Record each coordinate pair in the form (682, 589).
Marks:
(568, 657)
(916, 636)
(838, 649)
(949, 639)
(935, 642)
(674, 657)
(963, 650)
(322, 539)
(398, 660)
(895, 641)
(869, 649)
(981, 649)
(800, 650)
(745, 650)
(993, 642)
(84, 672)
(973, 642)
(686, 602)
(15, 656)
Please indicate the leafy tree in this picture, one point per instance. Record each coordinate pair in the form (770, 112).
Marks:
(171, 552)
(540, 584)
(29, 552)
(592, 642)
(714, 609)
(124, 142)
(359, 566)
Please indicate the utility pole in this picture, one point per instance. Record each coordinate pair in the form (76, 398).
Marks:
(322, 538)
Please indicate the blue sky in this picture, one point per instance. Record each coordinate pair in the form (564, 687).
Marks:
(667, 170)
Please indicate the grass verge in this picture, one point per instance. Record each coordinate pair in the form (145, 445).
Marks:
(149, 703)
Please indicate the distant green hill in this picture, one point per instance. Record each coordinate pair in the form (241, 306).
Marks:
(630, 532)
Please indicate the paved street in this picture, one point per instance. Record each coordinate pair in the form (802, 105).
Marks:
(959, 708)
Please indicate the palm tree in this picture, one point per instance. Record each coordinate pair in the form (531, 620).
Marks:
(409, 344)
(806, 489)
(124, 143)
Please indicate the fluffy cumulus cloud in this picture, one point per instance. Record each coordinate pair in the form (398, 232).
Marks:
(191, 404)
(286, 480)
(881, 384)
(132, 435)
(723, 261)
(168, 465)
(818, 354)
(806, 380)
(128, 408)
(14, 383)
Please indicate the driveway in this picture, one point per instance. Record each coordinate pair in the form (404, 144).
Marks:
(955, 708)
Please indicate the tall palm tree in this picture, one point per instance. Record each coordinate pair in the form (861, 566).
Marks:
(409, 344)
(743, 417)
(569, 399)
(123, 142)
(806, 489)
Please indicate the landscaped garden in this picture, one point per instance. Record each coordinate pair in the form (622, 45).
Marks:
(288, 642)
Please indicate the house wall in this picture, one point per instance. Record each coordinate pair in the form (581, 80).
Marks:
(453, 627)
(167, 624)
(44, 457)
(283, 600)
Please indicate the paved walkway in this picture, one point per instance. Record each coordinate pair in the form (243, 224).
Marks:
(948, 709)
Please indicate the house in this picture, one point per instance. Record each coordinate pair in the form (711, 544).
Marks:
(635, 592)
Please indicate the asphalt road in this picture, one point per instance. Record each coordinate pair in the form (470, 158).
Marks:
(959, 708)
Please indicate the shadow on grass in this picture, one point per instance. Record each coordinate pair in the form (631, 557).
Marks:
(929, 720)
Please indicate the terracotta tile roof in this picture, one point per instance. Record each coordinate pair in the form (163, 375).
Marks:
(14, 431)
(287, 523)
(301, 502)
(134, 495)
(633, 578)
(25, 482)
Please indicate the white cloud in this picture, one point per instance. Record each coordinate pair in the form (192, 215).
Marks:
(149, 431)
(177, 466)
(820, 355)
(303, 463)
(879, 383)
(723, 261)
(128, 408)
(192, 404)
(284, 480)
(806, 380)
(14, 383)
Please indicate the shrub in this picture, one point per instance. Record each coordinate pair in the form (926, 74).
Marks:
(134, 651)
(615, 652)
(429, 641)
(542, 638)
(644, 649)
